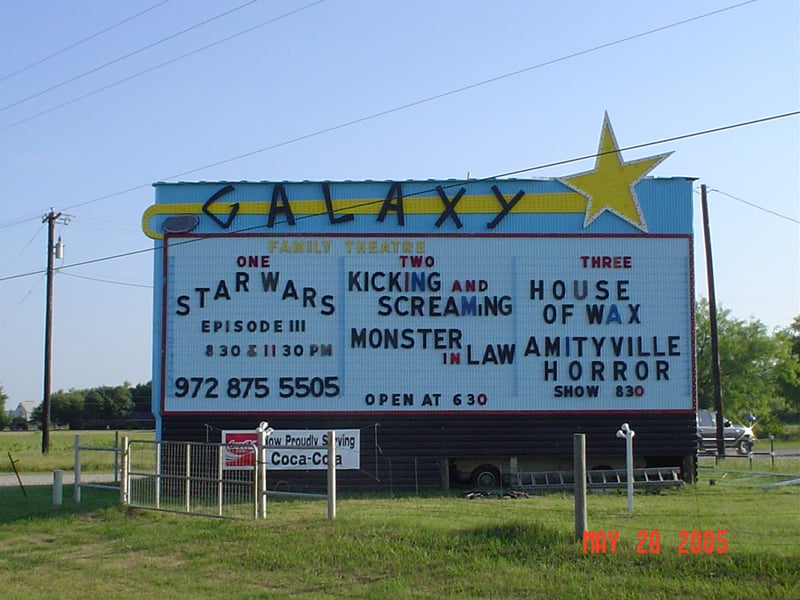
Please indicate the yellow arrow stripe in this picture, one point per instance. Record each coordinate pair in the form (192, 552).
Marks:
(551, 202)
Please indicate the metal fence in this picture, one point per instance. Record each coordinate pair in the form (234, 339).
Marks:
(191, 477)
(186, 477)
(79, 483)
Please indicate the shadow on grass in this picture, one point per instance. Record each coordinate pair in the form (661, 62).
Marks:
(513, 542)
(38, 504)
(518, 533)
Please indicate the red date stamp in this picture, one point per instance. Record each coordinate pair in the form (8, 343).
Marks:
(650, 541)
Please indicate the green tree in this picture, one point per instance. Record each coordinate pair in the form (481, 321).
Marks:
(106, 402)
(790, 382)
(141, 394)
(4, 420)
(754, 366)
(66, 408)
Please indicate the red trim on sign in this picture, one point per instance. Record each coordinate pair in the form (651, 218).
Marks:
(419, 413)
(190, 236)
(692, 321)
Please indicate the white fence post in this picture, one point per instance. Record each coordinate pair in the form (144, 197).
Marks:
(220, 465)
(188, 480)
(331, 475)
(626, 433)
(123, 486)
(261, 469)
(58, 487)
(116, 456)
(158, 474)
(579, 466)
(76, 470)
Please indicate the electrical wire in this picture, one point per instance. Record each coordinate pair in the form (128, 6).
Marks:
(368, 117)
(103, 225)
(21, 220)
(449, 185)
(156, 67)
(22, 300)
(661, 141)
(402, 107)
(80, 264)
(431, 98)
(83, 41)
(128, 55)
(766, 210)
(382, 113)
(460, 183)
(87, 277)
(25, 247)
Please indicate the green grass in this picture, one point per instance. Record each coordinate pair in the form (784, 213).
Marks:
(407, 547)
(435, 546)
(26, 450)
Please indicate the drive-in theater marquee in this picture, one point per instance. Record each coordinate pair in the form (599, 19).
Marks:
(572, 293)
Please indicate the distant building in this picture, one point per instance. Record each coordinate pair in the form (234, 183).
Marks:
(24, 410)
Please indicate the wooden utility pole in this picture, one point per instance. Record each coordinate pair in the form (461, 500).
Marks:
(712, 307)
(50, 218)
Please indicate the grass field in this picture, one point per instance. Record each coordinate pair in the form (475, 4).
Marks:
(408, 547)
(25, 448)
(728, 540)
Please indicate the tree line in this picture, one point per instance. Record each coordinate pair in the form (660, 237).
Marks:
(95, 407)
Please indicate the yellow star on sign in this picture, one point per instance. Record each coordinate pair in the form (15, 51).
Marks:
(610, 185)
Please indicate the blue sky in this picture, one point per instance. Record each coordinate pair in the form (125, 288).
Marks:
(340, 61)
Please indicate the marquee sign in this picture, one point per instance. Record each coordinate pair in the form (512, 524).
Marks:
(426, 296)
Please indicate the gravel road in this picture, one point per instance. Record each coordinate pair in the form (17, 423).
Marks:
(36, 479)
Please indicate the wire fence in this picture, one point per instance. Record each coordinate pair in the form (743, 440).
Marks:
(189, 477)
(212, 479)
(186, 477)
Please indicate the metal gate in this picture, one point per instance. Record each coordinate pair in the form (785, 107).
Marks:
(197, 478)
(186, 477)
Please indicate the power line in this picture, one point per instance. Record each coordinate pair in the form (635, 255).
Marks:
(80, 264)
(506, 174)
(458, 90)
(410, 104)
(661, 141)
(21, 220)
(83, 41)
(457, 183)
(369, 117)
(540, 167)
(103, 225)
(25, 247)
(128, 55)
(766, 210)
(156, 67)
(130, 284)
(22, 300)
